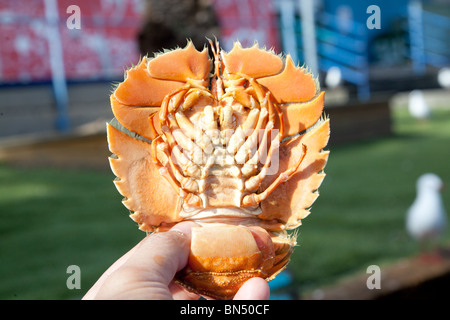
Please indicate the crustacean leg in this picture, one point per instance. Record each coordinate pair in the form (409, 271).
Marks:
(243, 131)
(194, 151)
(176, 140)
(185, 183)
(251, 165)
(226, 123)
(192, 132)
(185, 124)
(262, 154)
(265, 98)
(241, 95)
(250, 144)
(254, 198)
(170, 124)
(173, 176)
(186, 164)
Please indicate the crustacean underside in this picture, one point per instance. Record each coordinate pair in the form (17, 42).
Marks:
(233, 142)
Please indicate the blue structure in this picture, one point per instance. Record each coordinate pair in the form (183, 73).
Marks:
(429, 35)
(348, 51)
(283, 280)
(344, 38)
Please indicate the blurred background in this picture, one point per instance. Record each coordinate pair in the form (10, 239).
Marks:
(385, 67)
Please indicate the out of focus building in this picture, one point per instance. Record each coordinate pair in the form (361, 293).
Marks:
(57, 75)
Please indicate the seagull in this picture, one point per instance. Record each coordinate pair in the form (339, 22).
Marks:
(426, 218)
(333, 78)
(444, 77)
(418, 106)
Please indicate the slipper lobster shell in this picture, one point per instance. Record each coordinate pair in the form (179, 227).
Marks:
(234, 143)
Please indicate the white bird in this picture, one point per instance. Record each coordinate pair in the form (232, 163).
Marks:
(444, 77)
(418, 106)
(426, 218)
(333, 78)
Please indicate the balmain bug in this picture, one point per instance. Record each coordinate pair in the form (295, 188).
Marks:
(233, 142)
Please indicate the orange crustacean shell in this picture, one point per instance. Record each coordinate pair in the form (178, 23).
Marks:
(233, 142)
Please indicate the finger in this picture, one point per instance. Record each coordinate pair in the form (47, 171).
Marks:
(253, 289)
(180, 293)
(154, 259)
(160, 255)
(116, 265)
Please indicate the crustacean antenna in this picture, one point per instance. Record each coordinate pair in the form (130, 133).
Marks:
(217, 84)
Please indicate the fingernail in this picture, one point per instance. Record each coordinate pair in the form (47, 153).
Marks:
(184, 227)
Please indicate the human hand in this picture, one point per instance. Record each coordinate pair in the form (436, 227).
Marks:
(147, 271)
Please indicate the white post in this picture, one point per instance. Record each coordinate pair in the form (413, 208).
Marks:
(287, 20)
(287, 17)
(309, 35)
(57, 64)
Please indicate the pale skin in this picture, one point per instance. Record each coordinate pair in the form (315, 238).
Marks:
(147, 271)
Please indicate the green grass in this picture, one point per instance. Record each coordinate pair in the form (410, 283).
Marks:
(51, 219)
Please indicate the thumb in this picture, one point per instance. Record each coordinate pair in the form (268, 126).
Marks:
(146, 271)
(160, 255)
